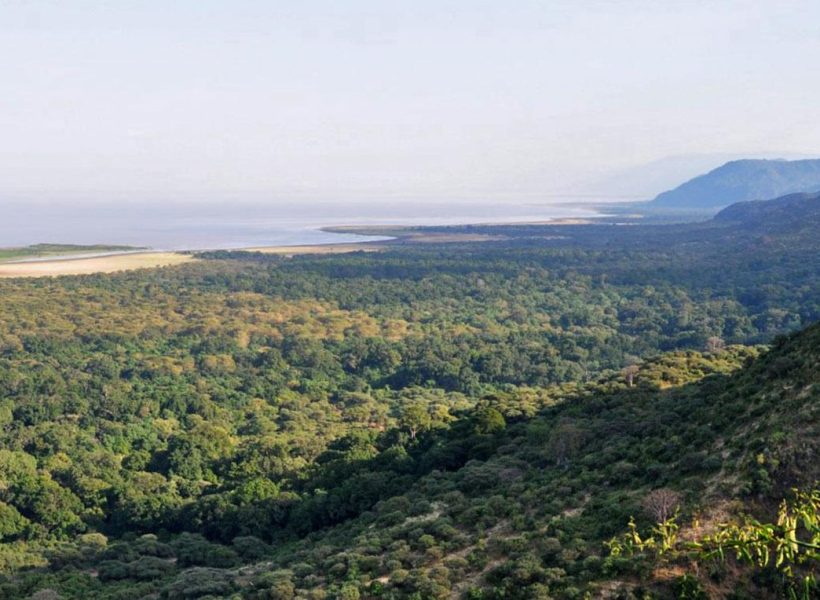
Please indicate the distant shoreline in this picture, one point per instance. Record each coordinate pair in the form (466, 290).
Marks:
(407, 230)
(70, 257)
(112, 261)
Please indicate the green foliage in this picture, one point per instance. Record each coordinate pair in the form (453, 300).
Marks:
(791, 544)
(398, 425)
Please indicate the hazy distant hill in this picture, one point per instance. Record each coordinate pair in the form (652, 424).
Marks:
(794, 213)
(742, 180)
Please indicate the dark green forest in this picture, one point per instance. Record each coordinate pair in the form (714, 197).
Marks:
(460, 420)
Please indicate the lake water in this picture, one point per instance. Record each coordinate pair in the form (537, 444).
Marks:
(176, 226)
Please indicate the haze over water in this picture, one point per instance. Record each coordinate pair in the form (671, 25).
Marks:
(238, 225)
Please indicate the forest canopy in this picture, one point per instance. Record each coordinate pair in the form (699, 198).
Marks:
(472, 417)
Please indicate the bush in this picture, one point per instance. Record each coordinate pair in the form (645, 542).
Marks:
(195, 550)
(250, 547)
(149, 568)
(12, 523)
(198, 582)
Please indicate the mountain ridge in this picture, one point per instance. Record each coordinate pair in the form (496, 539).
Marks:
(739, 181)
(790, 211)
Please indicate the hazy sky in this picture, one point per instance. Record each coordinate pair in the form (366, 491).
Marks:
(431, 99)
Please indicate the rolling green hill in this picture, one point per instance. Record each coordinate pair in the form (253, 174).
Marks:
(512, 499)
(516, 507)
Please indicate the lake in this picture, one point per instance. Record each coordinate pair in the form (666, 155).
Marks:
(191, 226)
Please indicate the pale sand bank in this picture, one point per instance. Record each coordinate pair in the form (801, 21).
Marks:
(317, 249)
(145, 260)
(403, 236)
(99, 264)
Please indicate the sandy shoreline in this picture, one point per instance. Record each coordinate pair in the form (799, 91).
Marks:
(128, 261)
(340, 248)
(110, 263)
(114, 262)
(403, 230)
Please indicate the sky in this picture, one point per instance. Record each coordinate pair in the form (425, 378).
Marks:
(422, 100)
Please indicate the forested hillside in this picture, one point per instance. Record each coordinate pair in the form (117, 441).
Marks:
(454, 420)
(796, 214)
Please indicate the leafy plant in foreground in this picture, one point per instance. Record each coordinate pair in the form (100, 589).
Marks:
(791, 544)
